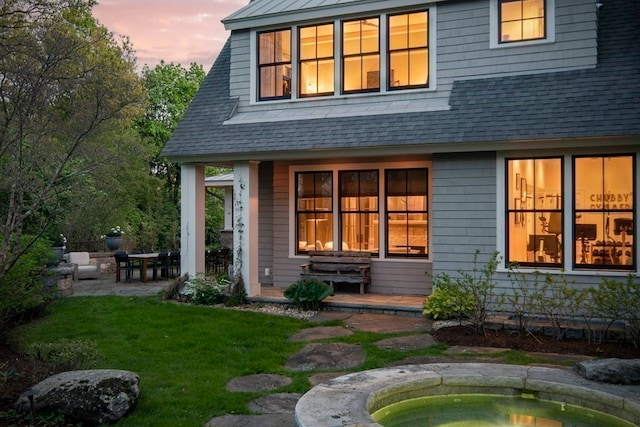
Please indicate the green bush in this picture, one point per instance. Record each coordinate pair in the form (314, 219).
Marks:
(64, 355)
(448, 300)
(618, 300)
(479, 283)
(201, 290)
(22, 295)
(307, 294)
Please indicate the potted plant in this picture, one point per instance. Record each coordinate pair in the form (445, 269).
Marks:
(113, 238)
(58, 245)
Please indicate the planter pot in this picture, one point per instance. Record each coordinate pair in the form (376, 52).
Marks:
(57, 253)
(113, 243)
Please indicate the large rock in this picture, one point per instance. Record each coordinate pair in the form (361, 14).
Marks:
(615, 371)
(91, 397)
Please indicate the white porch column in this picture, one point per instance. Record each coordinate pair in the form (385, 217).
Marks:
(245, 229)
(192, 214)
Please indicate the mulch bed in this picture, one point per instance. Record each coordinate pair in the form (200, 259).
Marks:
(467, 336)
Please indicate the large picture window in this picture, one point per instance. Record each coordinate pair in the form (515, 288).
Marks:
(361, 55)
(314, 210)
(407, 215)
(534, 214)
(604, 215)
(359, 217)
(316, 60)
(521, 20)
(274, 65)
(358, 223)
(408, 50)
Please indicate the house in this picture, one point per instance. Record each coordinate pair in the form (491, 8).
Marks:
(422, 132)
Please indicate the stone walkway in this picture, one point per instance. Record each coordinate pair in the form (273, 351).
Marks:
(337, 358)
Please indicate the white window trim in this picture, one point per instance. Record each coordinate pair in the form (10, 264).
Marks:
(335, 169)
(494, 27)
(337, 46)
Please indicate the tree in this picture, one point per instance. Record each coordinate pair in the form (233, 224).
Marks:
(170, 89)
(68, 92)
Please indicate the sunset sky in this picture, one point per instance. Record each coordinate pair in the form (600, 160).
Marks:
(178, 31)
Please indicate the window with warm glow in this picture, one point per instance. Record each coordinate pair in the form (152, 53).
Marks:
(314, 210)
(274, 65)
(408, 50)
(361, 55)
(522, 20)
(534, 215)
(359, 217)
(407, 215)
(316, 60)
(604, 216)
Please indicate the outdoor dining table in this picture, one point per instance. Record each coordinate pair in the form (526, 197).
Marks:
(145, 260)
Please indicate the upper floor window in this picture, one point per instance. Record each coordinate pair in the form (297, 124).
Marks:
(274, 64)
(522, 20)
(408, 50)
(361, 55)
(316, 60)
(377, 54)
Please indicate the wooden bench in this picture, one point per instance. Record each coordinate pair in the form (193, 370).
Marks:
(339, 267)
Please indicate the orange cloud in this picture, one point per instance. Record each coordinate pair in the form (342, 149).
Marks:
(178, 31)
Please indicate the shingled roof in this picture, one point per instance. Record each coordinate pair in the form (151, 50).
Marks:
(600, 102)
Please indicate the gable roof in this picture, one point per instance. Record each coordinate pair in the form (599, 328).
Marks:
(515, 111)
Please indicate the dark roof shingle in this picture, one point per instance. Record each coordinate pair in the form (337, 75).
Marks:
(599, 102)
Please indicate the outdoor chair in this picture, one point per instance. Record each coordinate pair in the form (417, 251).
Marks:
(161, 263)
(174, 263)
(123, 263)
(82, 266)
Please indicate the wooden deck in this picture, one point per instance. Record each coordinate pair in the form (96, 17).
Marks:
(402, 305)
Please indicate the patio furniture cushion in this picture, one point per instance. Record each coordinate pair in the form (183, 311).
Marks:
(83, 268)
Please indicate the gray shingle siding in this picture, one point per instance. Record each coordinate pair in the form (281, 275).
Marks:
(599, 102)
(463, 209)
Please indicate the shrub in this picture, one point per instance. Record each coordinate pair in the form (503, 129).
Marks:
(618, 300)
(559, 302)
(201, 290)
(307, 294)
(64, 355)
(174, 290)
(525, 297)
(448, 300)
(237, 294)
(480, 285)
(22, 294)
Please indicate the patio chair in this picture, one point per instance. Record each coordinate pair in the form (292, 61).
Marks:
(161, 263)
(174, 263)
(123, 263)
(82, 266)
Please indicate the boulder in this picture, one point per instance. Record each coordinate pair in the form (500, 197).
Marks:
(91, 397)
(614, 371)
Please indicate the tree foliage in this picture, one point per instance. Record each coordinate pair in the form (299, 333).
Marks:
(68, 92)
(170, 89)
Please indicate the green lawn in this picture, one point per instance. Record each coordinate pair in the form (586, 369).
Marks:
(185, 355)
